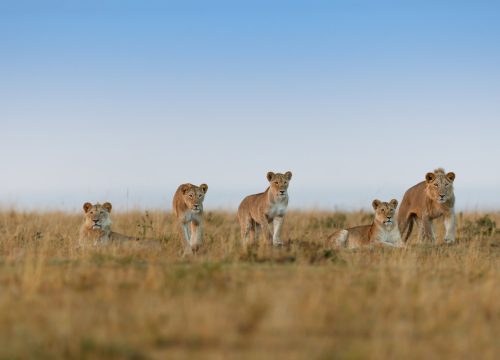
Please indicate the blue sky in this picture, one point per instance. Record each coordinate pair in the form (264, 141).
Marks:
(150, 94)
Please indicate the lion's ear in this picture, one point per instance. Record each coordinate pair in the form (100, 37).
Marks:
(429, 177)
(288, 175)
(394, 203)
(204, 188)
(107, 206)
(450, 176)
(87, 206)
(184, 188)
(270, 176)
(376, 203)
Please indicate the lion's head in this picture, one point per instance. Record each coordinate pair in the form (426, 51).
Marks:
(279, 183)
(193, 196)
(439, 185)
(97, 217)
(385, 212)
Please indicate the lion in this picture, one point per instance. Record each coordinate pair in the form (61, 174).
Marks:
(383, 231)
(426, 201)
(97, 226)
(259, 210)
(188, 209)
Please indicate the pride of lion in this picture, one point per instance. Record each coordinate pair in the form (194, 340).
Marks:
(265, 212)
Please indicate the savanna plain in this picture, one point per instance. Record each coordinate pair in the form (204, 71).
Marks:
(145, 300)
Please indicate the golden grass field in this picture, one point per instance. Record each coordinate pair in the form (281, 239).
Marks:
(303, 301)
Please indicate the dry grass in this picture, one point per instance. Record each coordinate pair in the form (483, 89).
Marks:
(300, 302)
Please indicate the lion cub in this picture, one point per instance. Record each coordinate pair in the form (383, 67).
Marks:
(259, 210)
(384, 229)
(188, 209)
(426, 201)
(97, 226)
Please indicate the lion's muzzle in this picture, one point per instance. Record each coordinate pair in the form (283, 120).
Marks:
(96, 225)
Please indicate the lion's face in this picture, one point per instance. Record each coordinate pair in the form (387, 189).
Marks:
(279, 183)
(193, 196)
(97, 217)
(440, 185)
(385, 212)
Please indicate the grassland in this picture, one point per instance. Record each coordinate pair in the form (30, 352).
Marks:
(304, 301)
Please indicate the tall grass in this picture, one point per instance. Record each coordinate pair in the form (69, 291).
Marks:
(304, 301)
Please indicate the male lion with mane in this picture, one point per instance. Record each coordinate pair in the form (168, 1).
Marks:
(259, 210)
(426, 201)
(97, 226)
(383, 231)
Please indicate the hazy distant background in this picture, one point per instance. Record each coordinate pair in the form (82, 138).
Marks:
(122, 101)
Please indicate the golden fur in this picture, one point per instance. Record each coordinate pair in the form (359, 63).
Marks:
(259, 210)
(426, 201)
(97, 226)
(383, 231)
(188, 209)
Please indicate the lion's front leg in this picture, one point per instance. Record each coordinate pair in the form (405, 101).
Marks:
(187, 235)
(196, 234)
(266, 230)
(277, 223)
(427, 231)
(450, 227)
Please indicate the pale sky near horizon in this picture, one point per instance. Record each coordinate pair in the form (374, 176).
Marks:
(122, 101)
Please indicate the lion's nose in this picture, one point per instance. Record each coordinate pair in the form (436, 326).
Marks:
(282, 192)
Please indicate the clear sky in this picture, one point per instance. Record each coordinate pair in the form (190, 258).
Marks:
(122, 101)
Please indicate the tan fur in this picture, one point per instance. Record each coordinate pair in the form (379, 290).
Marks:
(188, 209)
(259, 210)
(97, 226)
(383, 231)
(426, 201)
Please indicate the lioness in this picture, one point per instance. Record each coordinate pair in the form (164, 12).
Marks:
(426, 201)
(97, 226)
(384, 229)
(188, 209)
(259, 210)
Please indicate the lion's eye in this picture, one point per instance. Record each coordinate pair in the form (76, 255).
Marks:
(276, 183)
(190, 195)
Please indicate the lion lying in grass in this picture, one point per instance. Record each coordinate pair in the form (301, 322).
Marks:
(97, 226)
(383, 231)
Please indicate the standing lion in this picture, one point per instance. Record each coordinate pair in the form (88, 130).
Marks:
(260, 210)
(426, 201)
(188, 209)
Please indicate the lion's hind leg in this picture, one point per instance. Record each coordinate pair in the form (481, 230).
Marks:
(406, 227)
(339, 239)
